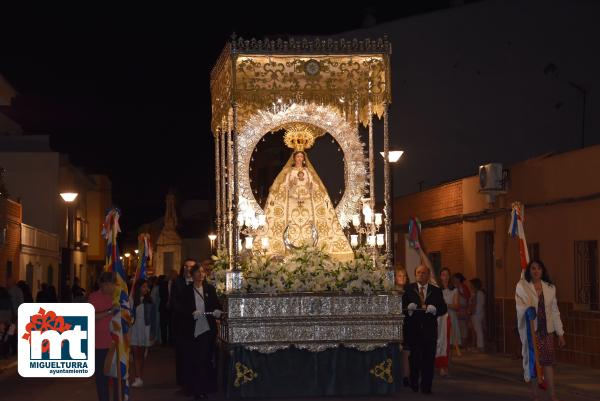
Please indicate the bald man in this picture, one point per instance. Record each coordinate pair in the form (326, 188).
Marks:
(422, 303)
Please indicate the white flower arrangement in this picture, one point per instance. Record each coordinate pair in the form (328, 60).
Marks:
(306, 269)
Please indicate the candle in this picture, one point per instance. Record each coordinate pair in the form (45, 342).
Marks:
(249, 241)
(262, 220)
(354, 240)
(378, 219)
(265, 243)
(380, 240)
(356, 220)
(368, 212)
(371, 240)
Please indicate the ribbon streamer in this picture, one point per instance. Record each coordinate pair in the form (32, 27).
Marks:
(414, 232)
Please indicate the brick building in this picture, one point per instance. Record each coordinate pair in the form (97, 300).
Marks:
(465, 233)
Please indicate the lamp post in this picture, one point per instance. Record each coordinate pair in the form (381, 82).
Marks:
(67, 251)
(393, 157)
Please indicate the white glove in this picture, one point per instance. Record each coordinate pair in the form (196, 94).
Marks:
(196, 314)
(411, 308)
(217, 313)
(431, 309)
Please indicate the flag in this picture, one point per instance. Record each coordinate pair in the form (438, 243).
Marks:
(516, 230)
(121, 320)
(414, 231)
(144, 254)
(526, 312)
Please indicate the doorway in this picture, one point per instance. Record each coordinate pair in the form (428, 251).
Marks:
(485, 272)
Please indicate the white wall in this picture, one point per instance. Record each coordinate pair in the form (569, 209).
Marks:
(32, 177)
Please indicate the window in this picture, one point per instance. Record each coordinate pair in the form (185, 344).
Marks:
(436, 262)
(586, 274)
(81, 231)
(534, 251)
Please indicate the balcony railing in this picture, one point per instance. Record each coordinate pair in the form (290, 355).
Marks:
(40, 239)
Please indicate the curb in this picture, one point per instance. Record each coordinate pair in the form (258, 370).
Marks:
(507, 377)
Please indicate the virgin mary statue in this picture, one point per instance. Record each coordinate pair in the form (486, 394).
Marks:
(299, 211)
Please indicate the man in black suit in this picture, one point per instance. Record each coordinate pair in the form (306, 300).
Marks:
(176, 299)
(422, 303)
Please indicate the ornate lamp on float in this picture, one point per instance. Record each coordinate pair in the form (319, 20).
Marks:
(251, 225)
(367, 228)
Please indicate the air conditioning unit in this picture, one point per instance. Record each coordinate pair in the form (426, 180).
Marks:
(492, 179)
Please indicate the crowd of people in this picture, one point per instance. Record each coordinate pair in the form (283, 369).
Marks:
(11, 297)
(16, 293)
(461, 327)
(446, 316)
(178, 311)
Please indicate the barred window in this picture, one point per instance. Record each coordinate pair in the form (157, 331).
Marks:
(586, 274)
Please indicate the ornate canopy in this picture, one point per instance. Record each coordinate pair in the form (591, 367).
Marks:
(256, 74)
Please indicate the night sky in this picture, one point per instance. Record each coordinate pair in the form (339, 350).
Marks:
(126, 92)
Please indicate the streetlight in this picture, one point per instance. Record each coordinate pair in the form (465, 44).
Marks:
(212, 237)
(393, 157)
(68, 198)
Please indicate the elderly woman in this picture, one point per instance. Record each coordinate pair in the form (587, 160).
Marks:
(199, 310)
(536, 293)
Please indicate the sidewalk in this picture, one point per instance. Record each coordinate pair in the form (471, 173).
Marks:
(569, 378)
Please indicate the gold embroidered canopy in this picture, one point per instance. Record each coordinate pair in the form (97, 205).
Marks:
(257, 74)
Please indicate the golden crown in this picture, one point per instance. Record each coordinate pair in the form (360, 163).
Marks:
(299, 136)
